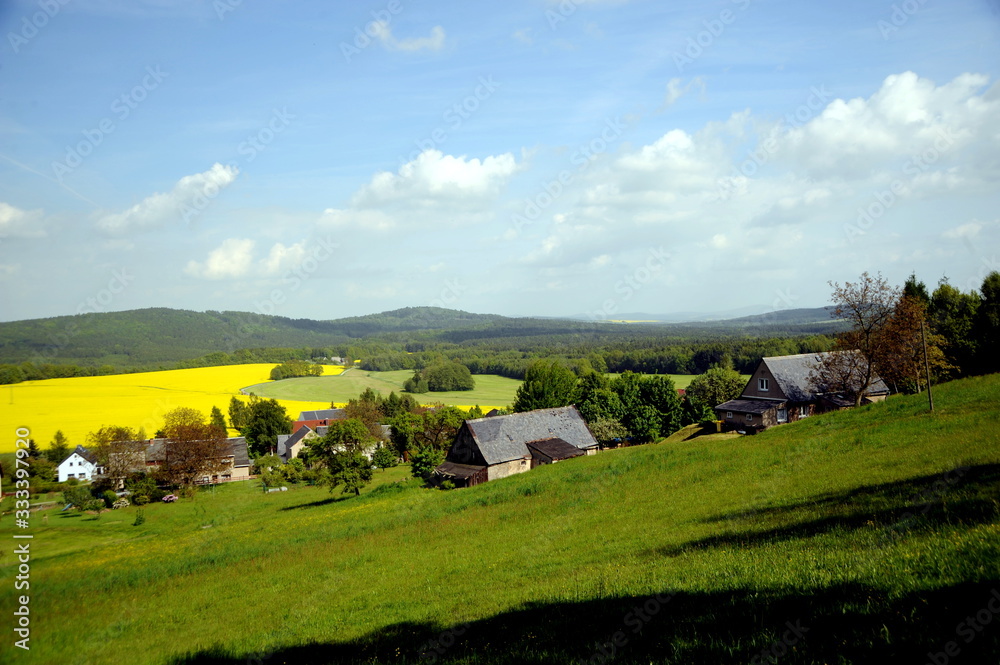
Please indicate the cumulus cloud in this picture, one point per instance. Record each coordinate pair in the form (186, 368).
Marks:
(435, 180)
(234, 258)
(190, 193)
(18, 223)
(433, 42)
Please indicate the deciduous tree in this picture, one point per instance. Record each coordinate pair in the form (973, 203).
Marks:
(194, 452)
(118, 450)
(547, 384)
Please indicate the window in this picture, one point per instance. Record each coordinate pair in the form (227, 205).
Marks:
(729, 414)
(782, 415)
(749, 417)
(762, 385)
(803, 412)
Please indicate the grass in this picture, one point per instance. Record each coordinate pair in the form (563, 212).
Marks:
(84, 404)
(490, 391)
(876, 531)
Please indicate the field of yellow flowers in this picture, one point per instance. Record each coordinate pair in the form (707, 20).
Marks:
(81, 405)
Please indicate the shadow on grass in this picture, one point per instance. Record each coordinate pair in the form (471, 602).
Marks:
(965, 495)
(317, 504)
(844, 624)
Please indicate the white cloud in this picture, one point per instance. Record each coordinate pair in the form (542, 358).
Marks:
(433, 42)
(436, 180)
(523, 35)
(190, 192)
(282, 259)
(675, 91)
(234, 258)
(18, 223)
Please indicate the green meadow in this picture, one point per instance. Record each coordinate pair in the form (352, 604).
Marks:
(865, 536)
(491, 390)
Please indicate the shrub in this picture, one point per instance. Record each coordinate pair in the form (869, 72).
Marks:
(157, 495)
(120, 503)
(140, 499)
(78, 496)
(140, 519)
(109, 498)
(72, 482)
(447, 485)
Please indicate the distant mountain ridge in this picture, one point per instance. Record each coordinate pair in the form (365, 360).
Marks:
(158, 335)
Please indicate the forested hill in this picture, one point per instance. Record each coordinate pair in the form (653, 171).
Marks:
(161, 338)
(161, 335)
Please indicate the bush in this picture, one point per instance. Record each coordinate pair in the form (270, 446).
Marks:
(78, 496)
(140, 499)
(157, 495)
(120, 503)
(109, 498)
(72, 482)
(447, 485)
(140, 519)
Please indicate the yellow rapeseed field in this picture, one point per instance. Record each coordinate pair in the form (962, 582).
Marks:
(81, 405)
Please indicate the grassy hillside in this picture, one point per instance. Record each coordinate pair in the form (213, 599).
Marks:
(857, 537)
(490, 390)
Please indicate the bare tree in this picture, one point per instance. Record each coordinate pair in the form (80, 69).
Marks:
(118, 450)
(868, 305)
(193, 452)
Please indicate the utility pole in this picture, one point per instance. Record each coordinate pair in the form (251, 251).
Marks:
(927, 365)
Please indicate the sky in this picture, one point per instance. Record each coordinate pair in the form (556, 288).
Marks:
(526, 158)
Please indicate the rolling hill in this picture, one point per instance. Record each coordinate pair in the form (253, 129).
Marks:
(864, 536)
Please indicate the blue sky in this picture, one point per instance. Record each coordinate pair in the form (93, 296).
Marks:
(317, 159)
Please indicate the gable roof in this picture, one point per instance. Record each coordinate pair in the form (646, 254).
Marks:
(82, 452)
(504, 438)
(793, 375)
(323, 414)
(238, 449)
(286, 441)
(555, 448)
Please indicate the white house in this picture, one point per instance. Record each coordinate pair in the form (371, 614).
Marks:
(80, 464)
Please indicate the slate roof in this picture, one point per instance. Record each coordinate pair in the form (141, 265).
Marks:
(555, 448)
(323, 414)
(238, 448)
(792, 374)
(286, 441)
(156, 451)
(84, 453)
(758, 406)
(504, 438)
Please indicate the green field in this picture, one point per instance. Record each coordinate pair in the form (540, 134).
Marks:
(873, 533)
(490, 390)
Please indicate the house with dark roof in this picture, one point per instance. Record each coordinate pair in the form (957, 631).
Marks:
(784, 389)
(80, 464)
(237, 462)
(319, 418)
(500, 446)
(290, 445)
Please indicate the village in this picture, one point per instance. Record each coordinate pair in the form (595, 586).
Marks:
(497, 445)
